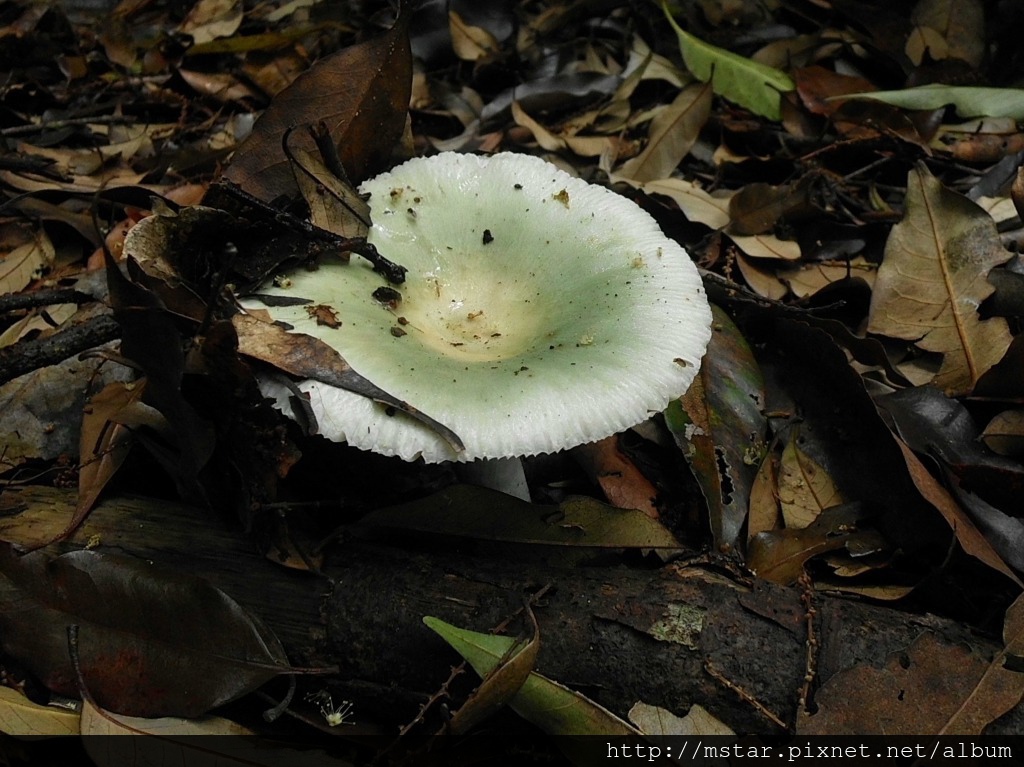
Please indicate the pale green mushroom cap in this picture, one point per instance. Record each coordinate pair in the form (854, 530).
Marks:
(539, 312)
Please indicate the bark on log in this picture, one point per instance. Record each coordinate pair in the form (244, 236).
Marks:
(615, 633)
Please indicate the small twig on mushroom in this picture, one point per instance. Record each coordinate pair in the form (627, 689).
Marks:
(392, 272)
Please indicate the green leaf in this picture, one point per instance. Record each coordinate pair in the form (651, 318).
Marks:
(752, 85)
(554, 708)
(968, 101)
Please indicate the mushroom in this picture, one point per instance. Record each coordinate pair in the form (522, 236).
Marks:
(539, 312)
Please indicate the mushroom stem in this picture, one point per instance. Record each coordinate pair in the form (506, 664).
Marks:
(503, 474)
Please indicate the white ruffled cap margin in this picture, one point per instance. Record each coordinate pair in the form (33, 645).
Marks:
(539, 312)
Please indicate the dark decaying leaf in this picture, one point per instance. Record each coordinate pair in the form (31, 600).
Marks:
(151, 339)
(467, 511)
(757, 208)
(720, 426)
(936, 425)
(362, 95)
(151, 643)
(970, 538)
(809, 379)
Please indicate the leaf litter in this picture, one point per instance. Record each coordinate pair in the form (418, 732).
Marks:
(867, 320)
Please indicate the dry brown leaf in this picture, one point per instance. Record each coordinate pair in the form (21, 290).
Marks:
(764, 513)
(757, 208)
(1005, 433)
(39, 323)
(222, 86)
(623, 484)
(333, 204)
(805, 488)
(958, 25)
(806, 279)
(1000, 688)
(500, 686)
(767, 246)
(653, 720)
(925, 41)
(933, 688)
(25, 262)
(105, 442)
(22, 718)
(672, 134)
(934, 277)
(762, 281)
(779, 555)
(470, 43)
(545, 138)
(696, 204)
(210, 19)
(96, 721)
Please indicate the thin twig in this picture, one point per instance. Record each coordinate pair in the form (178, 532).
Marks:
(25, 130)
(811, 662)
(744, 695)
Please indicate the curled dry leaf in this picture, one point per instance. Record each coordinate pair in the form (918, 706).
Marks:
(780, 555)
(361, 93)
